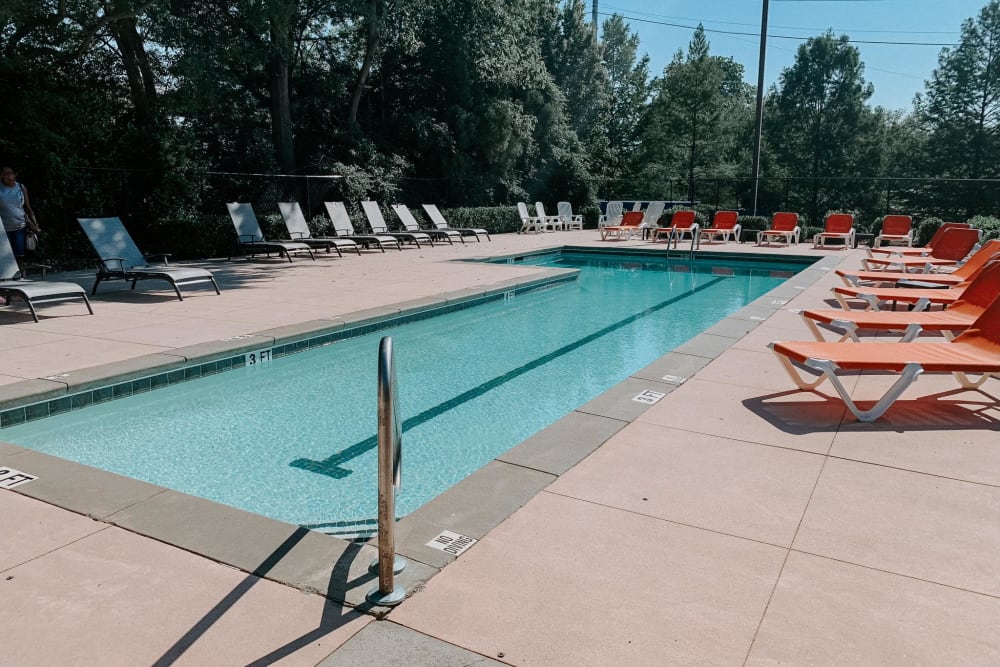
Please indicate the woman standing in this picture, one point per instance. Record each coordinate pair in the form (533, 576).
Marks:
(16, 213)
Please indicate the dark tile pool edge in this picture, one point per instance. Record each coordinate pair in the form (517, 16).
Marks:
(648, 251)
(324, 564)
(45, 397)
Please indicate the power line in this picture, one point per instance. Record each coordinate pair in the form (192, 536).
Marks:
(785, 27)
(770, 36)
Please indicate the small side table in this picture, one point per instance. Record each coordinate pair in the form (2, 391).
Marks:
(863, 238)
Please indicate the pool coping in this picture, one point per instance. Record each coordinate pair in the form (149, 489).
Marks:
(337, 568)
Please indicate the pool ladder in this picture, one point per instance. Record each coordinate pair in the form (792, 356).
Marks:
(390, 442)
(674, 237)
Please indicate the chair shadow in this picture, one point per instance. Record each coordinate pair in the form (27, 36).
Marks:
(932, 412)
(335, 613)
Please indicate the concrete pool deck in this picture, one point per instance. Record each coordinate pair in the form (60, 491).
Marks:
(736, 521)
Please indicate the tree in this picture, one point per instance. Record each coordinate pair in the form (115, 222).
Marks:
(960, 112)
(573, 57)
(630, 90)
(692, 123)
(818, 125)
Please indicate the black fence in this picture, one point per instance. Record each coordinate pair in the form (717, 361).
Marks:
(184, 212)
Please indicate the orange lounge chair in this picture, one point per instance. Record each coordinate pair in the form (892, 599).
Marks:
(959, 316)
(920, 298)
(923, 250)
(896, 229)
(838, 226)
(783, 226)
(976, 351)
(631, 224)
(955, 243)
(725, 224)
(965, 272)
(681, 223)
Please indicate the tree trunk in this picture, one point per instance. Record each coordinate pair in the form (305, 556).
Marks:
(280, 19)
(373, 19)
(141, 83)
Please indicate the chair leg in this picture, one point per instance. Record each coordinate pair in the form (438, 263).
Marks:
(827, 371)
(177, 290)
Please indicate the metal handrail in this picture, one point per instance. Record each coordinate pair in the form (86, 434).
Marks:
(674, 237)
(390, 444)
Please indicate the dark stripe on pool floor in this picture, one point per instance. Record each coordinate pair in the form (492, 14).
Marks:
(332, 466)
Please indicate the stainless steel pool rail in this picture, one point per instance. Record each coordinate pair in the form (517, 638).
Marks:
(674, 237)
(390, 443)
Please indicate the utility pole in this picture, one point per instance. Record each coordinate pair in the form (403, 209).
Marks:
(594, 18)
(758, 119)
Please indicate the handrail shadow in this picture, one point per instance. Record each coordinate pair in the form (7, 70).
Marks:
(335, 612)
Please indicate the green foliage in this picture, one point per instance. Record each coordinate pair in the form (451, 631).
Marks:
(757, 222)
(494, 219)
(989, 226)
(629, 89)
(692, 123)
(961, 113)
(818, 124)
(925, 230)
(591, 213)
(161, 112)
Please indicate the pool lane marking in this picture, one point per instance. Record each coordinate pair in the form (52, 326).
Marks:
(331, 466)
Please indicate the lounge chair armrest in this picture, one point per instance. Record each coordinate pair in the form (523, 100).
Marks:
(158, 255)
(248, 238)
(106, 264)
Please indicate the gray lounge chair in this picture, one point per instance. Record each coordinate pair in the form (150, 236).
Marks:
(250, 237)
(344, 228)
(298, 230)
(120, 259)
(378, 225)
(440, 223)
(411, 225)
(33, 292)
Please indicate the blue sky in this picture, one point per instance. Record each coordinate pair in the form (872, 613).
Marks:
(897, 71)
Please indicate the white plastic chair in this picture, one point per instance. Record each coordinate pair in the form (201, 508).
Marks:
(570, 221)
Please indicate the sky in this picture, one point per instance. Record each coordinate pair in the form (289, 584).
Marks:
(897, 71)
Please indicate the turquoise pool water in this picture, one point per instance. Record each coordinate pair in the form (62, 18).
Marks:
(294, 440)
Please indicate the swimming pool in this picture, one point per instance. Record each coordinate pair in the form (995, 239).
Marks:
(294, 440)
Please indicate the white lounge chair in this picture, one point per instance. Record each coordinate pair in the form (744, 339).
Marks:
(410, 224)
(570, 221)
(344, 228)
(33, 292)
(553, 221)
(120, 258)
(651, 216)
(612, 215)
(440, 223)
(250, 237)
(530, 223)
(379, 226)
(298, 230)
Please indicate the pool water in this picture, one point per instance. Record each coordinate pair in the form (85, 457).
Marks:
(295, 440)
